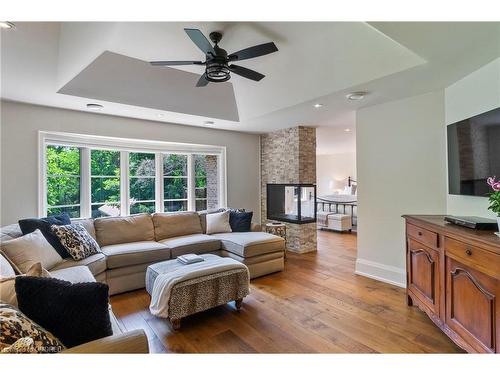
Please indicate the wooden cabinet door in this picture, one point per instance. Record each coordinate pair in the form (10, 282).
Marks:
(423, 274)
(472, 307)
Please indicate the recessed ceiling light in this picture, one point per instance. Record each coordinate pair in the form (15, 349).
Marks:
(357, 95)
(7, 25)
(318, 105)
(94, 107)
(209, 123)
(347, 130)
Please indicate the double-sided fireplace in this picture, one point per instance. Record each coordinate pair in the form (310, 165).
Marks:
(291, 203)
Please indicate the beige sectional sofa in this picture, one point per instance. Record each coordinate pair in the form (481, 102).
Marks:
(130, 244)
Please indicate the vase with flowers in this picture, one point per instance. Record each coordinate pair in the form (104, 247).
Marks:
(494, 197)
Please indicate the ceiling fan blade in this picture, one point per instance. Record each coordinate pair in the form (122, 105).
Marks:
(170, 63)
(255, 51)
(200, 40)
(247, 73)
(202, 81)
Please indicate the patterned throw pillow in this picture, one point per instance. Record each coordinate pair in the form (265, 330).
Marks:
(14, 325)
(76, 240)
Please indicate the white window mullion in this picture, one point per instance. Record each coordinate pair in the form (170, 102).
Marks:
(191, 195)
(124, 184)
(159, 182)
(85, 194)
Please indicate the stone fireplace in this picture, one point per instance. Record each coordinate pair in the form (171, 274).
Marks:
(288, 157)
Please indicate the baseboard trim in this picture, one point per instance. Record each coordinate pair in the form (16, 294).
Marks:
(381, 272)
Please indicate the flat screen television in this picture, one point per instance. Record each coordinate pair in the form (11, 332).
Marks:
(473, 153)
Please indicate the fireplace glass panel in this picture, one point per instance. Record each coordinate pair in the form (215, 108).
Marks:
(293, 203)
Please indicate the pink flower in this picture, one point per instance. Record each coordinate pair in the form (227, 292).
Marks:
(490, 181)
(496, 186)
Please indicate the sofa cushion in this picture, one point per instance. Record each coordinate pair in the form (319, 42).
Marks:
(78, 274)
(203, 217)
(44, 225)
(74, 313)
(88, 224)
(9, 232)
(30, 249)
(15, 325)
(6, 268)
(168, 225)
(248, 244)
(7, 284)
(96, 264)
(76, 240)
(124, 229)
(193, 243)
(218, 223)
(127, 254)
(240, 221)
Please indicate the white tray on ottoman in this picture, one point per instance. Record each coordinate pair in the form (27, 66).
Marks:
(178, 290)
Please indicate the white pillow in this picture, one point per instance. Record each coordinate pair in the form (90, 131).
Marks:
(218, 223)
(30, 249)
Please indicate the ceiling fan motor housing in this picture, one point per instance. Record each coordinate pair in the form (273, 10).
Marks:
(217, 66)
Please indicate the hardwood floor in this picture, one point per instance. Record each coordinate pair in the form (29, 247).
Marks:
(316, 304)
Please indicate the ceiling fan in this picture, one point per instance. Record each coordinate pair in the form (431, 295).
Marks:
(217, 68)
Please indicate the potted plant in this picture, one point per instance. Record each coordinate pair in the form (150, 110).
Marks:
(494, 197)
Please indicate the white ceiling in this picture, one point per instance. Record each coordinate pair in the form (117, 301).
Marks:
(316, 62)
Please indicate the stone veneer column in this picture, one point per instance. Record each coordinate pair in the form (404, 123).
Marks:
(288, 156)
(212, 182)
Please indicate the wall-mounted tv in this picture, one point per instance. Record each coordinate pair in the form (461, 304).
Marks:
(473, 153)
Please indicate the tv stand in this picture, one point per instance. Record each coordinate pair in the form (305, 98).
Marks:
(453, 275)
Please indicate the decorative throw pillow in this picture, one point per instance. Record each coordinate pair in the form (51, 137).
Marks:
(23, 345)
(44, 224)
(240, 221)
(30, 249)
(75, 313)
(76, 240)
(218, 223)
(14, 325)
(7, 285)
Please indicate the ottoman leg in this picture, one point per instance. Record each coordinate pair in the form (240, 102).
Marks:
(238, 303)
(176, 324)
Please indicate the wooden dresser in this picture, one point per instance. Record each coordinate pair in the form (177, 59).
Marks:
(453, 275)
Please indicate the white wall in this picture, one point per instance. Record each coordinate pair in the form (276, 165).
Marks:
(19, 128)
(334, 167)
(474, 94)
(401, 169)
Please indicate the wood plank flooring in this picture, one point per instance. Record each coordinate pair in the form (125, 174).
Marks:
(316, 305)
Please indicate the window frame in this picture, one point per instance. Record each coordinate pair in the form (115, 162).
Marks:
(126, 145)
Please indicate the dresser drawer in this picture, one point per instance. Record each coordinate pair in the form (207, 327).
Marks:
(422, 235)
(473, 256)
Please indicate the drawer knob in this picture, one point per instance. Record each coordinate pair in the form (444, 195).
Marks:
(419, 233)
(468, 252)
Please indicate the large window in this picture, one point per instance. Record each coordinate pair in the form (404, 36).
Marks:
(175, 182)
(111, 177)
(63, 180)
(142, 182)
(105, 182)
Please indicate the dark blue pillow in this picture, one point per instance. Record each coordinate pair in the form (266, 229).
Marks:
(74, 313)
(44, 224)
(240, 221)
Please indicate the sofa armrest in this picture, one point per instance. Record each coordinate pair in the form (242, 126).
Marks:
(129, 342)
(256, 227)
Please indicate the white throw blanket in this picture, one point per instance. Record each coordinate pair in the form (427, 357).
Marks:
(162, 288)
